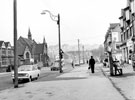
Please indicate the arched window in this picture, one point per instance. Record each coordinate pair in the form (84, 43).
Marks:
(27, 55)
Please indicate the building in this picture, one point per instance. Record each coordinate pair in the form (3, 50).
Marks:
(127, 34)
(29, 51)
(113, 40)
(6, 55)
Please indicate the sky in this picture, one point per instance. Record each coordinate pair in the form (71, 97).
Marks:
(86, 20)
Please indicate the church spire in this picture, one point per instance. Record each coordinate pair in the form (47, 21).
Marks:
(29, 35)
(44, 40)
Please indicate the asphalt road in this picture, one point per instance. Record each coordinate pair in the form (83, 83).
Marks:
(46, 75)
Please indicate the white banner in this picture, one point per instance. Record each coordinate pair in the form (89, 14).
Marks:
(121, 22)
(127, 14)
(132, 7)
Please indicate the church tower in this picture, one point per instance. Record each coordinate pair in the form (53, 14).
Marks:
(44, 40)
(29, 35)
(45, 46)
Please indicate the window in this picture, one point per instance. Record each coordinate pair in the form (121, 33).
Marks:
(124, 36)
(9, 52)
(128, 32)
(131, 31)
(121, 37)
(3, 51)
(27, 55)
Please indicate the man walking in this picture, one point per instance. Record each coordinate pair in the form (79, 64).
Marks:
(92, 64)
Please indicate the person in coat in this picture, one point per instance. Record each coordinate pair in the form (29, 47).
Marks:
(92, 64)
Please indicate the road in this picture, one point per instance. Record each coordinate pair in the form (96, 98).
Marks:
(78, 84)
(46, 74)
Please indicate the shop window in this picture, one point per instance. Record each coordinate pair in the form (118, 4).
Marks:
(130, 51)
(129, 57)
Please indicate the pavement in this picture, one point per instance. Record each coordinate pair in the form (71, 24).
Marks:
(125, 83)
(78, 84)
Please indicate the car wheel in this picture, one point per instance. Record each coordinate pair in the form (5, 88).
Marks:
(37, 76)
(13, 80)
(30, 79)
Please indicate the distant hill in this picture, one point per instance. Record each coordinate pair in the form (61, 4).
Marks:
(67, 47)
(53, 49)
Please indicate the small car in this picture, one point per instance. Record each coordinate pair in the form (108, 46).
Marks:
(55, 66)
(27, 72)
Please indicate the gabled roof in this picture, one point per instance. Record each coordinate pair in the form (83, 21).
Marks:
(1, 42)
(113, 25)
(26, 41)
(6, 44)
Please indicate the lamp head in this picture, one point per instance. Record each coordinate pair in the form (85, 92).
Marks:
(43, 12)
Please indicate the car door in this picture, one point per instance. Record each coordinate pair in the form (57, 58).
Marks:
(35, 71)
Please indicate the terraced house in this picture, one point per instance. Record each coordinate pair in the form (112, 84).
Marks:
(127, 23)
(6, 55)
(113, 36)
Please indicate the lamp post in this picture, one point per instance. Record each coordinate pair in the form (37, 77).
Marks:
(58, 23)
(15, 45)
(83, 54)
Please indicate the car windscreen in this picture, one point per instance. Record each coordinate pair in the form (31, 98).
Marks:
(56, 64)
(25, 68)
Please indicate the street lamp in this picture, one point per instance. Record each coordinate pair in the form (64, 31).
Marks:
(53, 17)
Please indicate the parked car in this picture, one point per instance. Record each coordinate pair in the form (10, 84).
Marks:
(55, 66)
(27, 72)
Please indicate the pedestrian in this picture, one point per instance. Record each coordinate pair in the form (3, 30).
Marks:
(92, 64)
(72, 64)
(87, 61)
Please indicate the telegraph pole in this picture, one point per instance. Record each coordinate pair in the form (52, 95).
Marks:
(15, 45)
(58, 22)
(83, 54)
(110, 59)
(79, 51)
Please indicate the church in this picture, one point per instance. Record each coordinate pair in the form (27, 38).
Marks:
(30, 52)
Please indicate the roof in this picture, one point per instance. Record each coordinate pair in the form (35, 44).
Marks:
(1, 42)
(6, 44)
(126, 8)
(23, 42)
(27, 41)
(113, 25)
(20, 48)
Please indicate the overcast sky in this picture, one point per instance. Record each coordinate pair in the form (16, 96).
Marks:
(87, 20)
